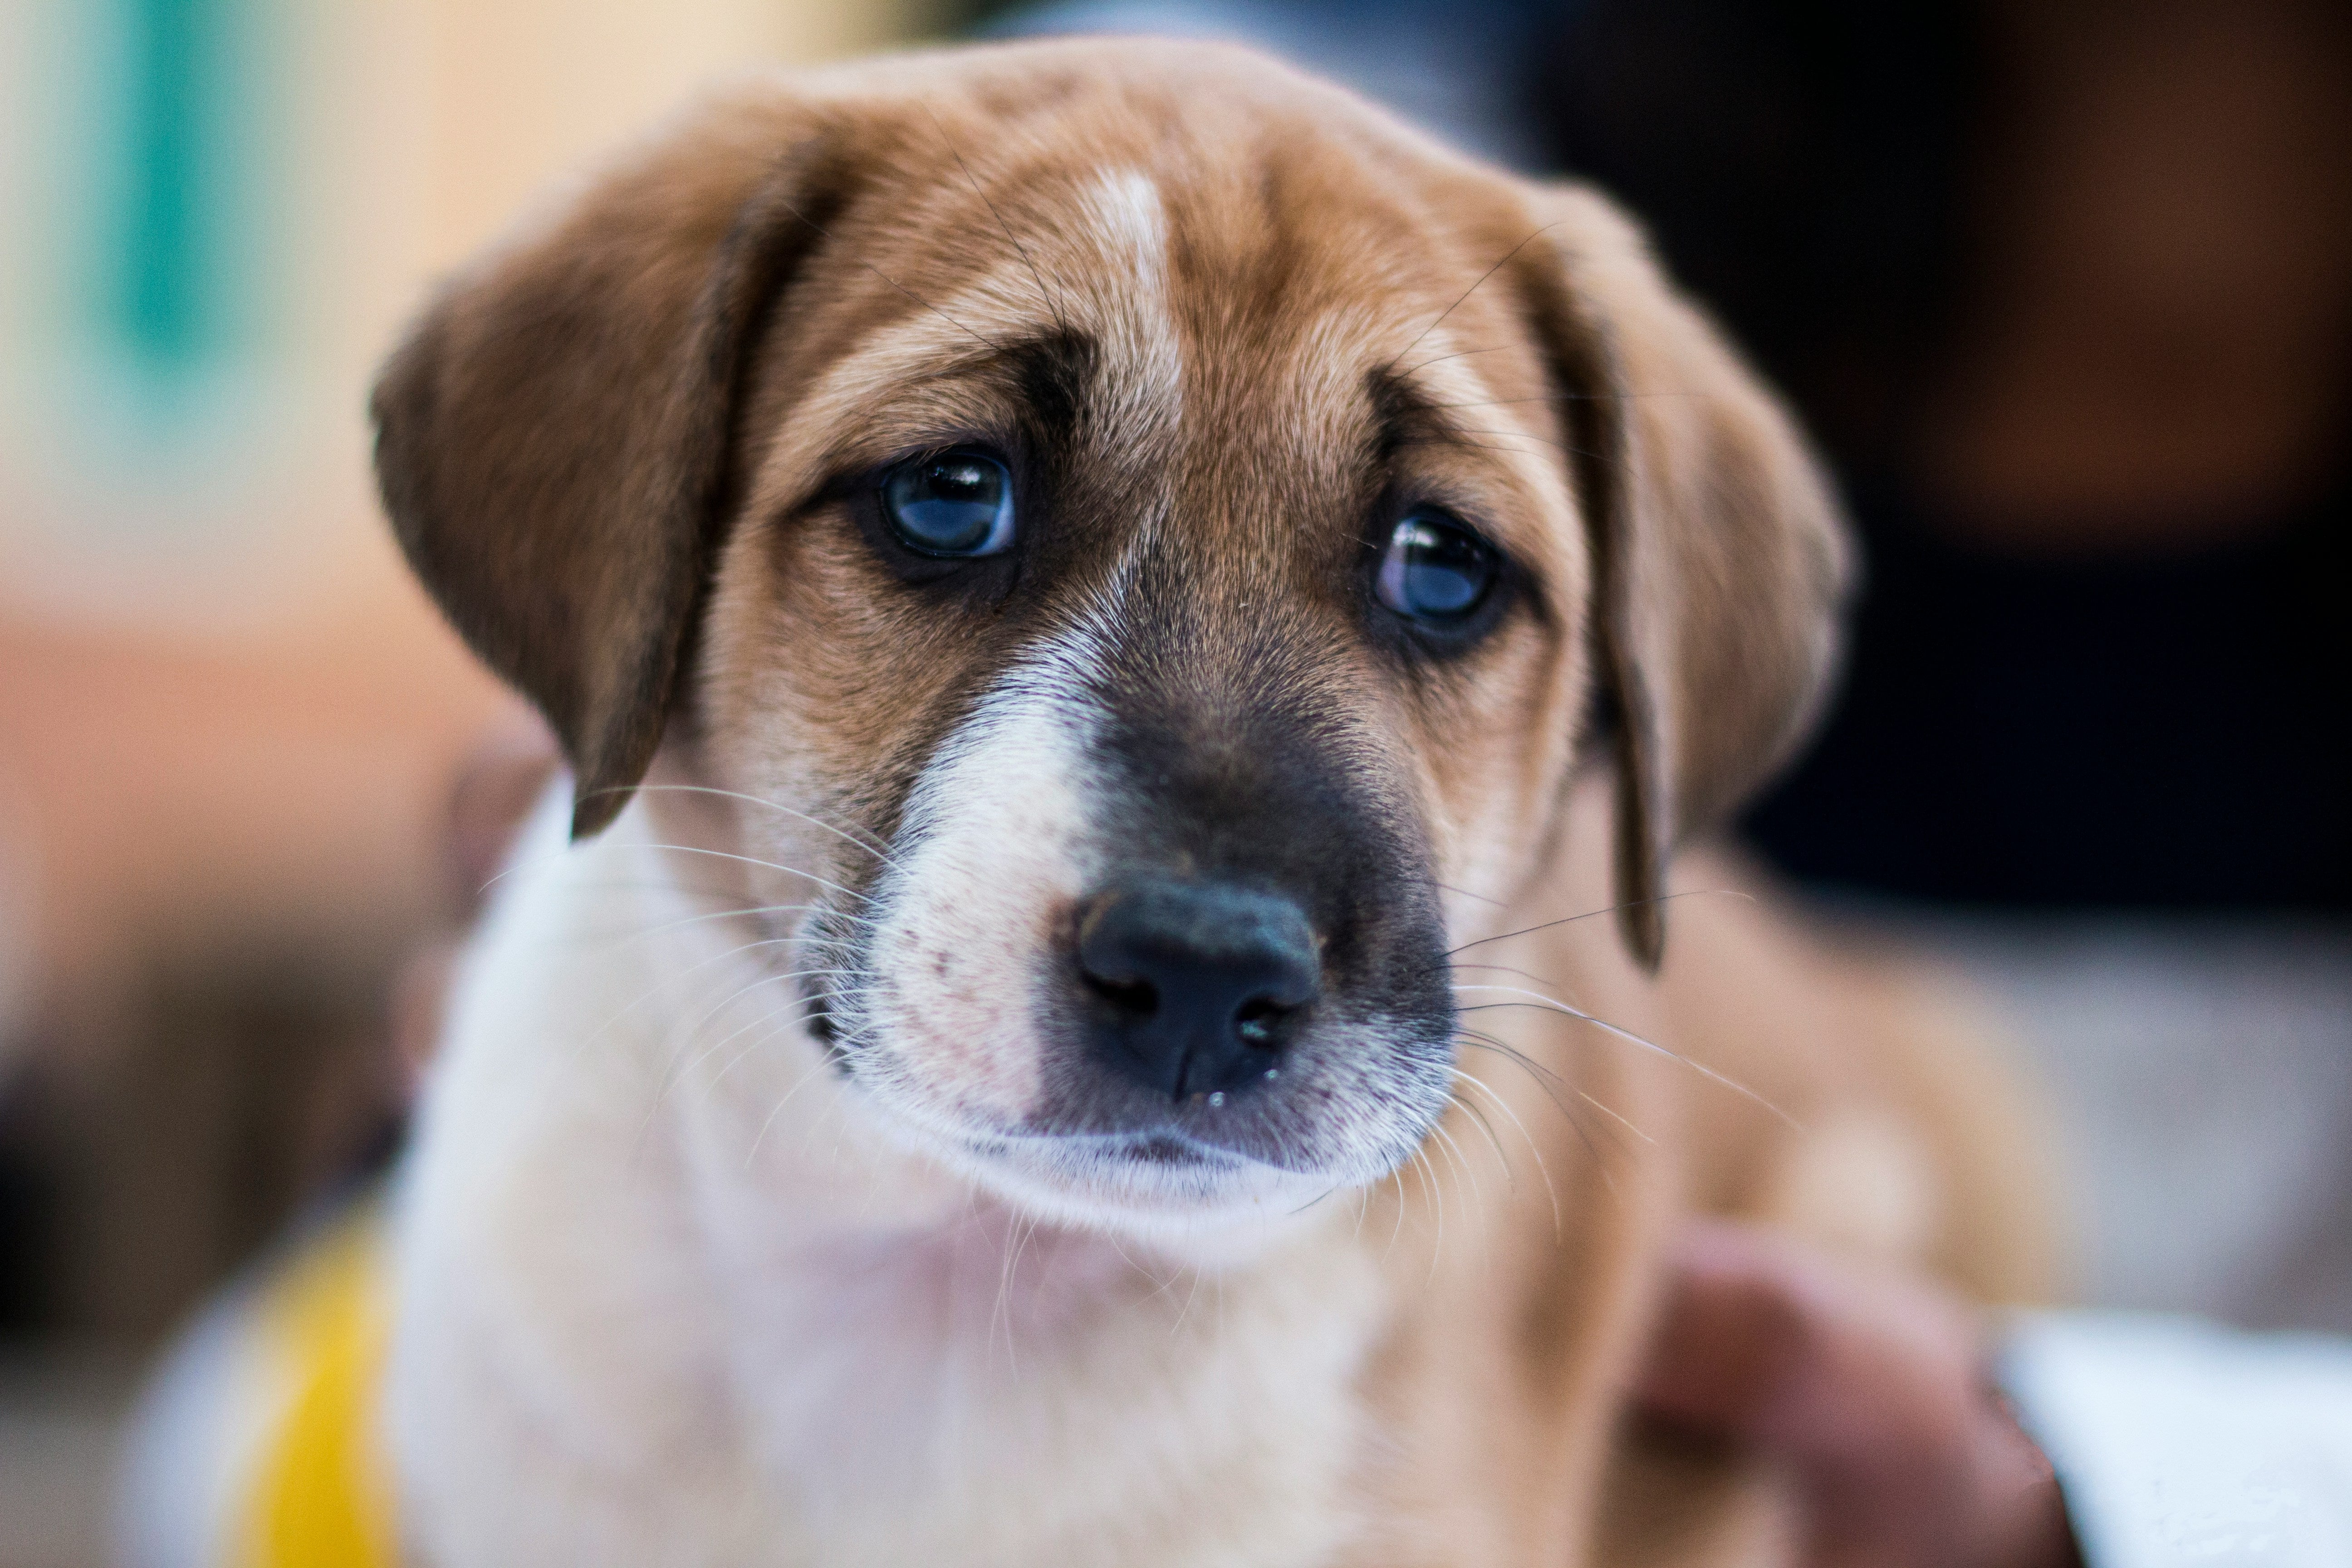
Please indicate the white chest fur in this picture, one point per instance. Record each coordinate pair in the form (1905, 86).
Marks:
(669, 1295)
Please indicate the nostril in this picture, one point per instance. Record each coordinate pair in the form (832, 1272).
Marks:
(1259, 1023)
(1139, 998)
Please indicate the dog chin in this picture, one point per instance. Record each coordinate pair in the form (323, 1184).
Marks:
(1155, 1185)
(1159, 1183)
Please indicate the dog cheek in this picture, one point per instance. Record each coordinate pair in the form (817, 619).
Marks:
(1493, 760)
(953, 998)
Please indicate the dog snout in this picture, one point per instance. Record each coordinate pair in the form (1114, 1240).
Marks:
(1196, 987)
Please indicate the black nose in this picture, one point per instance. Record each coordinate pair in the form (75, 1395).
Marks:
(1198, 986)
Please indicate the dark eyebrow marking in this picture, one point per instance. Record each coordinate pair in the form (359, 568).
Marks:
(1407, 417)
(1402, 415)
(1054, 374)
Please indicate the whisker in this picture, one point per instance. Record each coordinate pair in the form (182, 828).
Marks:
(1430, 1184)
(1009, 1264)
(1610, 910)
(1504, 968)
(1461, 1164)
(1613, 1116)
(1312, 1202)
(664, 983)
(1459, 354)
(1466, 893)
(771, 865)
(1499, 263)
(1471, 1109)
(1053, 305)
(859, 839)
(645, 932)
(1537, 1000)
(1545, 1079)
(773, 1028)
(1397, 1228)
(818, 1070)
(1534, 1149)
(775, 1022)
(1542, 1076)
(985, 342)
(676, 1068)
(1186, 1310)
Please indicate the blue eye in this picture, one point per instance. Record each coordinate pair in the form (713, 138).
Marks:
(1434, 570)
(957, 504)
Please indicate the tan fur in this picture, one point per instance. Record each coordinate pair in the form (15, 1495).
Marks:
(614, 451)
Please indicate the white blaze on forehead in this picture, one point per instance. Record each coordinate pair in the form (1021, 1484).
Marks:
(996, 848)
(1118, 289)
(1132, 222)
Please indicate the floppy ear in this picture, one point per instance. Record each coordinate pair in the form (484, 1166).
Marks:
(1719, 560)
(552, 438)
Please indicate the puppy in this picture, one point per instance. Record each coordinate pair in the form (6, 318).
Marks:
(1133, 638)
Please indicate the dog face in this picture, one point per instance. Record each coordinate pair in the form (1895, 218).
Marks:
(1132, 529)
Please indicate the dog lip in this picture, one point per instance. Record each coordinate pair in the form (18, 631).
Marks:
(1170, 1149)
(1168, 1146)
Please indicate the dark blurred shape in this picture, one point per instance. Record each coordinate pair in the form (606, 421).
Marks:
(2070, 683)
(1799, 164)
(232, 1092)
(2167, 729)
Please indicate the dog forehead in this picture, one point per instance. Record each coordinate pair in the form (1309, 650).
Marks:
(1258, 205)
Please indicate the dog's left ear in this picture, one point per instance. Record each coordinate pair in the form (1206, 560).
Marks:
(553, 440)
(1719, 560)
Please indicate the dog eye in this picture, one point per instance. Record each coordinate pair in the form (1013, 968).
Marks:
(1434, 569)
(955, 504)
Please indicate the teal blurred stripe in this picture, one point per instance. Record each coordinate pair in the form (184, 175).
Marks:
(164, 291)
(187, 155)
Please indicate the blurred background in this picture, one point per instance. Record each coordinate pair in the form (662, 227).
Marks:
(2064, 289)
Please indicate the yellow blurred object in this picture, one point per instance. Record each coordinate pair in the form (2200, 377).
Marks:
(321, 1497)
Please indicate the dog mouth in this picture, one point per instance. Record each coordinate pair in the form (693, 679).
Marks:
(1074, 1158)
(1168, 1148)
(1145, 1178)
(1162, 1168)
(1074, 1097)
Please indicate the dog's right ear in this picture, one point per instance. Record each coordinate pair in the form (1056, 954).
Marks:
(1721, 561)
(552, 438)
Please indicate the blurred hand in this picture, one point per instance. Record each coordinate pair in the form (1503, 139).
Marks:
(1873, 1387)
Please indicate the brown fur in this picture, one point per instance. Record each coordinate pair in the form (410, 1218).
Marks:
(614, 448)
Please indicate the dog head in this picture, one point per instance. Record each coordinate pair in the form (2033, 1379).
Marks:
(1134, 526)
